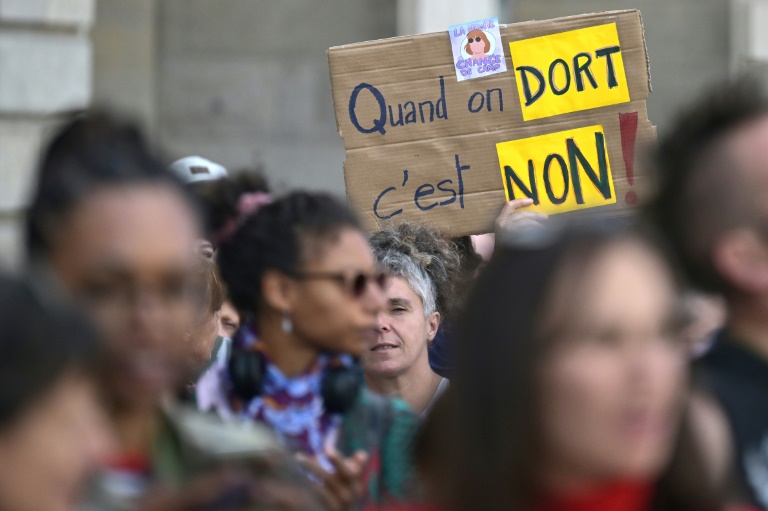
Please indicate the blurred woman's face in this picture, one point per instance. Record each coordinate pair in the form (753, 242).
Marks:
(326, 311)
(613, 380)
(125, 256)
(51, 450)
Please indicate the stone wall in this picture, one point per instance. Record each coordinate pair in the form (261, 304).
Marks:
(246, 82)
(688, 43)
(124, 59)
(45, 70)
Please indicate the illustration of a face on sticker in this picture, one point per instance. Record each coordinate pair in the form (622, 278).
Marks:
(479, 44)
(477, 49)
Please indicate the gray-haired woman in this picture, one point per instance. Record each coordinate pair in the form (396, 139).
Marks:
(425, 270)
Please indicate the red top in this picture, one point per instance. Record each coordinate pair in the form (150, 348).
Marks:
(129, 462)
(620, 496)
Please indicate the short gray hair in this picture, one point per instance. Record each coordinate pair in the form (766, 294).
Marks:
(399, 264)
(426, 258)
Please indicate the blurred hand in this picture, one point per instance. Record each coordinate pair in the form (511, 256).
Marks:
(343, 488)
(510, 219)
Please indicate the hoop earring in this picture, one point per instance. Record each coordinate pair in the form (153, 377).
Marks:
(287, 323)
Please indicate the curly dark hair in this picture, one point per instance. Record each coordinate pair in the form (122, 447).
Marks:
(698, 197)
(219, 198)
(432, 253)
(277, 236)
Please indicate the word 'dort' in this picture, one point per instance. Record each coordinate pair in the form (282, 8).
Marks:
(561, 172)
(569, 72)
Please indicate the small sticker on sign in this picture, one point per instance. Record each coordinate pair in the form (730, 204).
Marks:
(477, 49)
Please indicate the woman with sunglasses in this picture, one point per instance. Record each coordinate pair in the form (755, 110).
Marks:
(302, 271)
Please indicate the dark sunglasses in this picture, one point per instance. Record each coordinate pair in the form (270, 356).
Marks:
(355, 283)
(477, 40)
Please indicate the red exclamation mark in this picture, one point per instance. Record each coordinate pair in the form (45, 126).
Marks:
(628, 127)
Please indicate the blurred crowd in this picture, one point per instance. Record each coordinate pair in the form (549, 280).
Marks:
(181, 338)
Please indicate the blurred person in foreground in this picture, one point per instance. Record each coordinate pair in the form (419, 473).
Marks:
(424, 270)
(302, 270)
(110, 229)
(53, 430)
(712, 205)
(571, 384)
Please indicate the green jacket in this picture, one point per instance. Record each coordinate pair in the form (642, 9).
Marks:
(385, 428)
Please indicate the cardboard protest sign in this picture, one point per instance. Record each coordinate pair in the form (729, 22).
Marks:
(560, 125)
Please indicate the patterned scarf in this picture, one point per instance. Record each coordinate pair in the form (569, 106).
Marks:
(293, 406)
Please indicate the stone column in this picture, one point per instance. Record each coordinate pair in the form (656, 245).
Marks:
(749, 39)
(45, 70)
(124, 59)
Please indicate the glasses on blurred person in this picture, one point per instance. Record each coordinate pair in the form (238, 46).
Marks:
(355, 284)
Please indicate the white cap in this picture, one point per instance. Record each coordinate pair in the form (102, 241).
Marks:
(196, 169)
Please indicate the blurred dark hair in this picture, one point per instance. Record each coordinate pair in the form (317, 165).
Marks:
(92, 151)
(277, 237)
(41, 343)
(470, 260)
(479, 447)
(698, 196)
(219, 199)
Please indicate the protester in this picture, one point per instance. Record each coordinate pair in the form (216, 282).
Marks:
(570, 384)
(713, 180)
(225, 200)
(53, 430)
(229, 320)
(424, 269)
(202, 339)
(114, 232)
(303, 271)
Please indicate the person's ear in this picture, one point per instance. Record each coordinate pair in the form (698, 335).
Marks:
(278, 291)
(741, 257)
(433, 324)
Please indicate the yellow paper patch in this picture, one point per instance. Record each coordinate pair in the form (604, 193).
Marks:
(569, 72)
(561, 172)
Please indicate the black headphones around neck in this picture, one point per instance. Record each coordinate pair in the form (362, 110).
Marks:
(340, 385)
